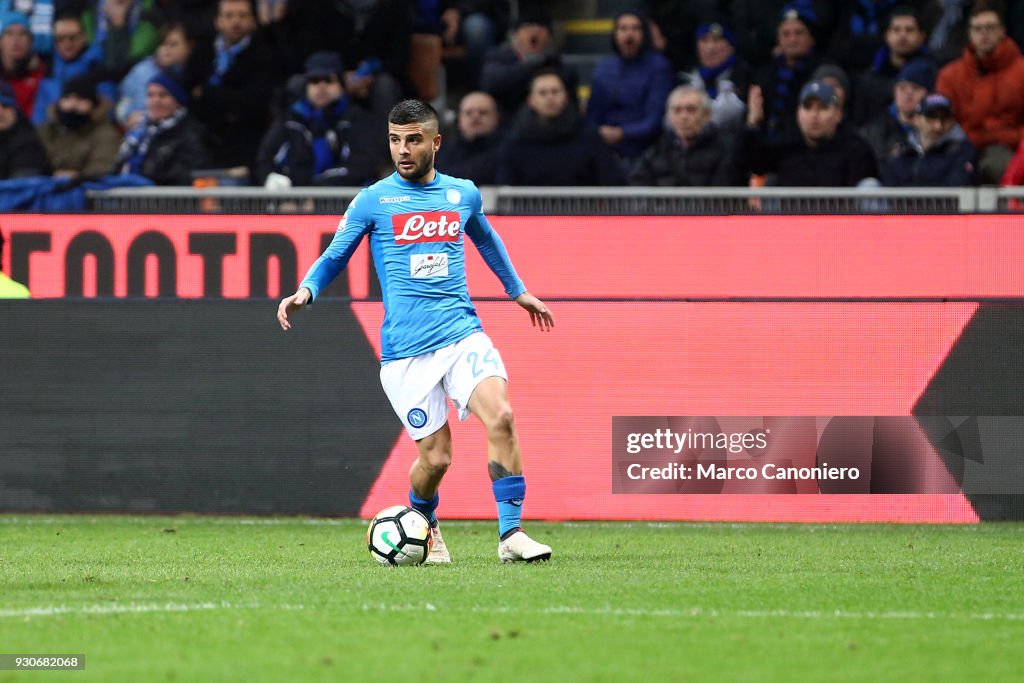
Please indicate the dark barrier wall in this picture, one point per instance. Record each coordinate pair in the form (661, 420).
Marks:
(178, 405)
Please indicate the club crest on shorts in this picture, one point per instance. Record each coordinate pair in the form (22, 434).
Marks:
(417, 417)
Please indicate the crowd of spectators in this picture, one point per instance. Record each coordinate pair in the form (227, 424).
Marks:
(690, 93)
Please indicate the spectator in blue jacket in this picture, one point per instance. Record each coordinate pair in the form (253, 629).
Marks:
(73, 56)
(629, 89)
(940, 155)
(170, 57)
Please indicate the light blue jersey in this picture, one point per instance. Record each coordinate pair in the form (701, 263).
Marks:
(415, 233)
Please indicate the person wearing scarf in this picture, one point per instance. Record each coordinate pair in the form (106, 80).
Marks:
(232, 78)
(322, 139)
(721, 74)
(780, 80)
(904, 41)
(167, 146)
(73, 56)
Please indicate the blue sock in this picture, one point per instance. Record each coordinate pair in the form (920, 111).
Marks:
(509, 493)
(427, 507)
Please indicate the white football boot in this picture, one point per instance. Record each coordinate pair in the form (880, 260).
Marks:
(521, 548)
(439, 551)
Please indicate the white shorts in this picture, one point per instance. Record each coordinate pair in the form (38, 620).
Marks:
(417, 387)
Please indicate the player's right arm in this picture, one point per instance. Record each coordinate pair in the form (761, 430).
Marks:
(356, 223)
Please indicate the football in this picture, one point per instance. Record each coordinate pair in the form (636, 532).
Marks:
(399, 535)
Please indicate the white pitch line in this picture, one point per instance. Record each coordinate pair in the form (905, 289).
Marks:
(134, 608)
(684, 613)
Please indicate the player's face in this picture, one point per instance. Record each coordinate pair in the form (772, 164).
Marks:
(413, 146)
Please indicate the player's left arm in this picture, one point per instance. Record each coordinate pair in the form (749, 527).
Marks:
(493, 251)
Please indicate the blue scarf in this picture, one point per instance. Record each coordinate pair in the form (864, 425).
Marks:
(321, 125)
(784, 87)
(225, 57)
(882, 65)
(710, 75)
(907, 128)
(137, 141)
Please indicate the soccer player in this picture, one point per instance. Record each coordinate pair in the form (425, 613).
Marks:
(433, 344)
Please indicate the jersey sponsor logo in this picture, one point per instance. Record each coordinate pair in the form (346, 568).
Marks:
(395, 200)
(429, 226)
(428, 265)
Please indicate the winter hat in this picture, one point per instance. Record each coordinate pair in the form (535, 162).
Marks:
(175, 88)
(324, 63)
(83, 86)
(13, 19)
(718, 30)
(919, 72)
(832, 71)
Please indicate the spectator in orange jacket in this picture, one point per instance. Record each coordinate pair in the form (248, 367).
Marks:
(985, 88)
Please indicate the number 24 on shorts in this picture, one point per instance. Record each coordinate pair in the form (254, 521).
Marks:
(473, 358)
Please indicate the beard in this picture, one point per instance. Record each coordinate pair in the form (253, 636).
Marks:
(417, 172)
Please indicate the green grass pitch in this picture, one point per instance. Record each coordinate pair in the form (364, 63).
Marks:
(237, 599)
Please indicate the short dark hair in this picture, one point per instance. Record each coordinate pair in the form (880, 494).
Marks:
(413, 111)
(170, 27)
(905, 11)
(69, 15)
(547, 71)
(980, 6)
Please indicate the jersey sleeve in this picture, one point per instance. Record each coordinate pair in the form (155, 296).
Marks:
(492, 249)
(357, 222)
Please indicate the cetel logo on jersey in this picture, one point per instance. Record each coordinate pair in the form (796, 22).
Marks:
(430, 226)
